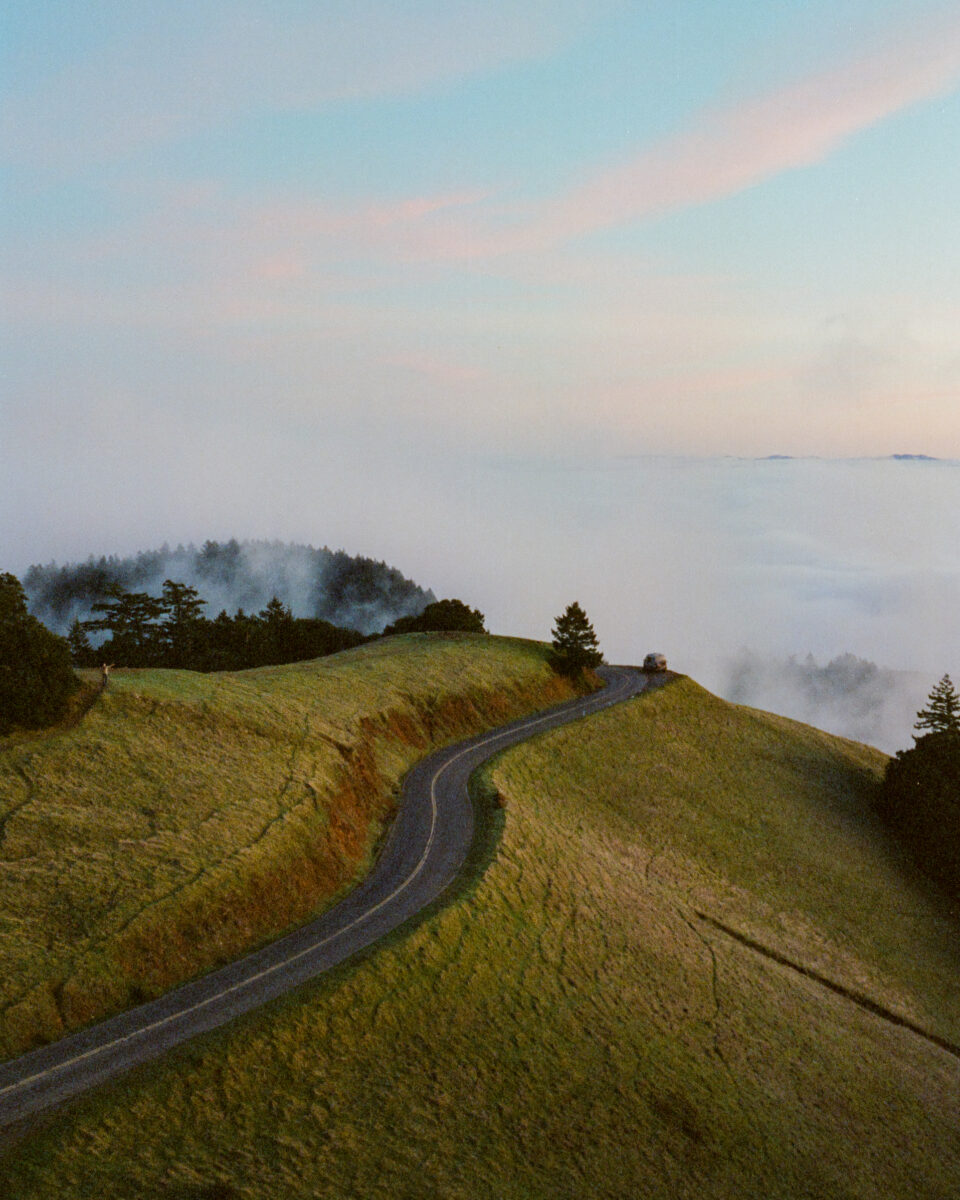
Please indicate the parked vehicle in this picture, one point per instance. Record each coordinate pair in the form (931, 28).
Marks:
(655, 662)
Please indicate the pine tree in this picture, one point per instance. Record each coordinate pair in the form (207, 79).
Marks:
(179, 630)
(575, 646)
(277, 630)
(130, 617)
(81, 652)
(942, 714)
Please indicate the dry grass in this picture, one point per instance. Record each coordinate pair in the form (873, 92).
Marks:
(187, 817)
(568, 1027)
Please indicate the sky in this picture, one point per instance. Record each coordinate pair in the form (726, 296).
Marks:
(338, 272)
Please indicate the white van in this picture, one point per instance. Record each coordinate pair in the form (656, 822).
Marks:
(655, 662)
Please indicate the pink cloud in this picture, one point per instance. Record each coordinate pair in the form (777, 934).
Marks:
(310, 251)
(723, 153)
(793, 127)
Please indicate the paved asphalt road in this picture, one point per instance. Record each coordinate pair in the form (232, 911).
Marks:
(425, 848)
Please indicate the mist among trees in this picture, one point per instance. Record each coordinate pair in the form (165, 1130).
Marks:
(171, 631)
(344, 590)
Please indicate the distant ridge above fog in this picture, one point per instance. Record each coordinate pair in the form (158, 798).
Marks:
(349, 590)
(865, 458)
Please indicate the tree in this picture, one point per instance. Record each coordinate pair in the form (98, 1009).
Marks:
(443, 616)
(277, 628)
(36, 677)
(919, 802)
(575, 647)
(81, 652)
(130, 617)
(182, 622)
(942, 714)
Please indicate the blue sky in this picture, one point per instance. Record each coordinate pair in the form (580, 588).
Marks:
(254, 249)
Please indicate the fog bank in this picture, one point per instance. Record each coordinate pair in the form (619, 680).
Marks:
(698, 558)
(848, 695)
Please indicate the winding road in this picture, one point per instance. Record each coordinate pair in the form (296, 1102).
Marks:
(425, 849)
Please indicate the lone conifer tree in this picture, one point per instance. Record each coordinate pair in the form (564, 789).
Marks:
(942, 714)
(575, 645)
(81, 652)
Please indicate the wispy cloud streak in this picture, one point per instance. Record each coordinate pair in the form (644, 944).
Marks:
(722, 153)
(793, 127)
(164, 75)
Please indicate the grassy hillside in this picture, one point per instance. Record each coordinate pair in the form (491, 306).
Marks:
(187, 817)
(570, 1026)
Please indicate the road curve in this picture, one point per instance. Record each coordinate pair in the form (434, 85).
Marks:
(422, 854)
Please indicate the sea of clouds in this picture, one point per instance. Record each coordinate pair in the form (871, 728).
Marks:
(766, 580)
(825, 590)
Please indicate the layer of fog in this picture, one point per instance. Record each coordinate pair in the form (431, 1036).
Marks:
(733, 568)
(848, 695)
(699, 558)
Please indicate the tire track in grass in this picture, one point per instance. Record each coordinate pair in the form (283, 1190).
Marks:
(855, 997)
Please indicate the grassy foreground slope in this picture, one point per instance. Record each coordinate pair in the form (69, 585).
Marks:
(187, 817)
(570, 1027)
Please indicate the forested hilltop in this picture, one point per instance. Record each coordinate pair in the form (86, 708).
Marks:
(331, 585)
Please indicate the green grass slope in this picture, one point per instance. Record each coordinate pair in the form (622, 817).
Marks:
(570, 1026)
(187, 817)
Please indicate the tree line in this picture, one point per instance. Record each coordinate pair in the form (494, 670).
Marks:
(37, 675)
(170, 630)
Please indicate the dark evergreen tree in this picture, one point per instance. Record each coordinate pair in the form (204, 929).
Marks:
(181, 628)
(575, 646)
(942, 714)
(81, 652)
(36, 677)
(919, 802)
(277, 632)
(131, 619)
